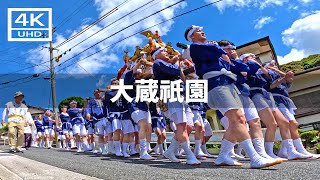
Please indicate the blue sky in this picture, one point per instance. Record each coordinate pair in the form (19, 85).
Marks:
(293, 26)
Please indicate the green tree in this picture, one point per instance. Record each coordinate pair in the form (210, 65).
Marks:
(304, 64)
(80, 101)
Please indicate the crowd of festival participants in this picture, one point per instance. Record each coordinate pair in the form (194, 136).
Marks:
(242, 91)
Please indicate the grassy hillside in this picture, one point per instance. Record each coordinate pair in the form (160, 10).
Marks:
(304, 64)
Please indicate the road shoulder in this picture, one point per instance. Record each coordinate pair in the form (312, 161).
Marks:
(17, 167)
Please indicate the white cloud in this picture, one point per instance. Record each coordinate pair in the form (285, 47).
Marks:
(266, 3)
(107, 57)
(294, 55)
(305, 1)
(303, 37)
(103, 81)
(293, 7)
(247, 3)
(262, 21)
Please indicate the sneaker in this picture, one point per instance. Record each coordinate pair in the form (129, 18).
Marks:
(20, 150)
(12, 149)
(226, 161)
(147, 157)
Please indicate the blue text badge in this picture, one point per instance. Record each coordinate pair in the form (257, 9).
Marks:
(29, 24)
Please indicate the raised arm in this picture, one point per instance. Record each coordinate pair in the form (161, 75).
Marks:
(4, 114)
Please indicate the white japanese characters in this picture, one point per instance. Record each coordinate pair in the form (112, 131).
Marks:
(151, 91)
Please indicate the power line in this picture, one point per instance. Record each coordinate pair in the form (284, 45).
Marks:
(123, 30)
(177, 16)
(21, 82)
(68, 9)
(101, 40)
(92, 24)
(76, 11)
(25, 68)
(101, 18)
(112, 23)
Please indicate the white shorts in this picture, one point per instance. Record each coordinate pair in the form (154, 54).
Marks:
(141, 115)
(61, 137)
(49, 132)
(127, 126)
(180, 113)
(103, 127)
(79, 129)
(289, 115)
(189, 116)
(68, 132)
(207, 127)
(173, 126)
(116, 125)
(197, 117)
(90, 131)
(40, 134)
(250, 111)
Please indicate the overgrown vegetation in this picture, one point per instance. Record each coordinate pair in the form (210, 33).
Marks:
(80, 101)
(4, 131)
(304, 64)
(311, 140)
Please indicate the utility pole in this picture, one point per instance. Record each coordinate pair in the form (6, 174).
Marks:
(53, 83)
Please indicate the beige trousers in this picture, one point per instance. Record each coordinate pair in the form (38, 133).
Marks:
(14, 130)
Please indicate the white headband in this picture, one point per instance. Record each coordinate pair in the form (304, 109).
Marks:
(229, 46)
(194, 28)
(246, 55)
(157, 52)
(139, 71)
(267, 65)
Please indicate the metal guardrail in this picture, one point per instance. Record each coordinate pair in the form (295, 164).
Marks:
(215, 139)
(4, 138)
(314, 125)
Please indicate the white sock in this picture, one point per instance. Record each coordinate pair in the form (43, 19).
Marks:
(197, 146)
(204, 148)
(239, 150)
(79, 145)
(269, 149)
(283, 152)
(187, 150)
(93, 146)
(148, 146)
(258, 144)
(249, 149)
(161, 150)
(117, 146)
(299, 146)
(111, 146)
(226, 147)
(125, 148)
(85, 144)
(156, 149)
(102, 145)
(132, 146)
(143, 147)
(165, 145)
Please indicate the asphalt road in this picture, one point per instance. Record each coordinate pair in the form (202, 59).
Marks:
(111, 167)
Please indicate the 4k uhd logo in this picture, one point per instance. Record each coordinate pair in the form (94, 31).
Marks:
(29, 24)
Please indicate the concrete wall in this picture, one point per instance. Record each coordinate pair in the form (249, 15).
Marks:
(305, 92)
